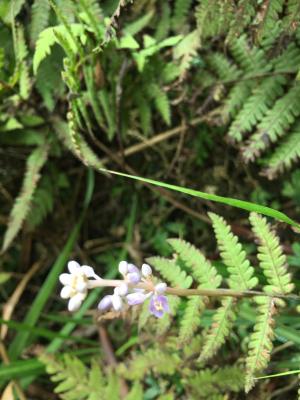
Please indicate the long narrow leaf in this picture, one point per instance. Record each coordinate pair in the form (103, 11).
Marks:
(245, 205)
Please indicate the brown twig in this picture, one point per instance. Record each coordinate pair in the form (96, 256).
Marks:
(110, 357)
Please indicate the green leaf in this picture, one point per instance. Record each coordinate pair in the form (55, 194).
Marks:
(244, 205)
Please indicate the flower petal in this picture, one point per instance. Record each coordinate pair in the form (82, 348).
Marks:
(161, 287)
(105, 303)
(75, 302)
(88, 271)
(123, 267)
(134, 299)
(73, 266)
(133, 268)
(159, 305)
(81, 286)
(66, 292)
(65, 279)
(146, 270)
(133, 277)
(116, 302)
(122, 289)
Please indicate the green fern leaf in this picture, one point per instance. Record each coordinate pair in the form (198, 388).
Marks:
(136, 392)
(221, 327)
(40, 12)
(256, 106)
(260, 342)
(208, 383)
(233, 255)
(245, 11)
(161, 102)
(224, 69)
(190, 320)
(186, 50)
(269, 15)
(272, 260)
(181, 9)
(47, 39)
(171, 272)
(164, 22)
(292, 14)
(155, 359)
(284, 154)
(201, 269)
(21, 207)
(274, 124)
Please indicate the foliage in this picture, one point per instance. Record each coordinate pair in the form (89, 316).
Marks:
(201, 94)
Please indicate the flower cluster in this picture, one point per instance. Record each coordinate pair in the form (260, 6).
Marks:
(76, 284)
(135, 287)
(128, 291)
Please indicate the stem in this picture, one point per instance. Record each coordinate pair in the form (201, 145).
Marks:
(190, 292)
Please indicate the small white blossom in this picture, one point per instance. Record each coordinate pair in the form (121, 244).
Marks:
(76, 284)
(160, 287)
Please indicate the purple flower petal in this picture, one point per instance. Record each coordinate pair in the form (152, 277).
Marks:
(134, 277)
(134, 299)
(159, 305)
(105, 303)
(133, 268)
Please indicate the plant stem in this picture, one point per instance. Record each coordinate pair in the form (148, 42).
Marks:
(149, 286)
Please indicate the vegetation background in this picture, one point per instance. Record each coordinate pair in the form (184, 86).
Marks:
(201, 94)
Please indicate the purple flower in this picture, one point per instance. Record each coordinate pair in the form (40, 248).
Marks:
(159, 305)
(105, 303)
(133, 277)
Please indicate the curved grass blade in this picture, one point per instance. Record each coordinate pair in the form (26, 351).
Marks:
(245, 205)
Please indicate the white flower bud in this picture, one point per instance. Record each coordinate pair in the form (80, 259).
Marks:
(146, 270)
(121, 290)
(160, 287)
(123, 267)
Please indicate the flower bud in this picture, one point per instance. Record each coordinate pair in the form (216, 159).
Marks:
(146, 270)
(123, 267)
(134, 299)
(134, 277)
(116, 302)
(105, 303)
(133, 268)
(121, 290)
(161, 287)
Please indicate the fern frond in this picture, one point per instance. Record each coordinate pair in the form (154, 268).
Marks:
(260, 342)
(222, 324)
(40, 12)
(201, 269)
(237, 97)
(233, 255)
(190, 319)
(136, 392)
(171, 271)
(285, 154)
(155, 359)
(42, 203)
(249, 58)
(76, 381)
(47, 39)
(224, 69)
(22, 204)
(272, 260)
(245, 11)
(186, 50)
(181, 9)
(164, 22)
(208, 383)
(268, 16)
(74, 141)
(256, 106)
(274, 124)
(161, 102)
(292, 14)
(21, 54)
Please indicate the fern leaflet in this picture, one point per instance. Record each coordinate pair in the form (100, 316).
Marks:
(272, 260)
(260, 342)
(21, 207)
(233, 255)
